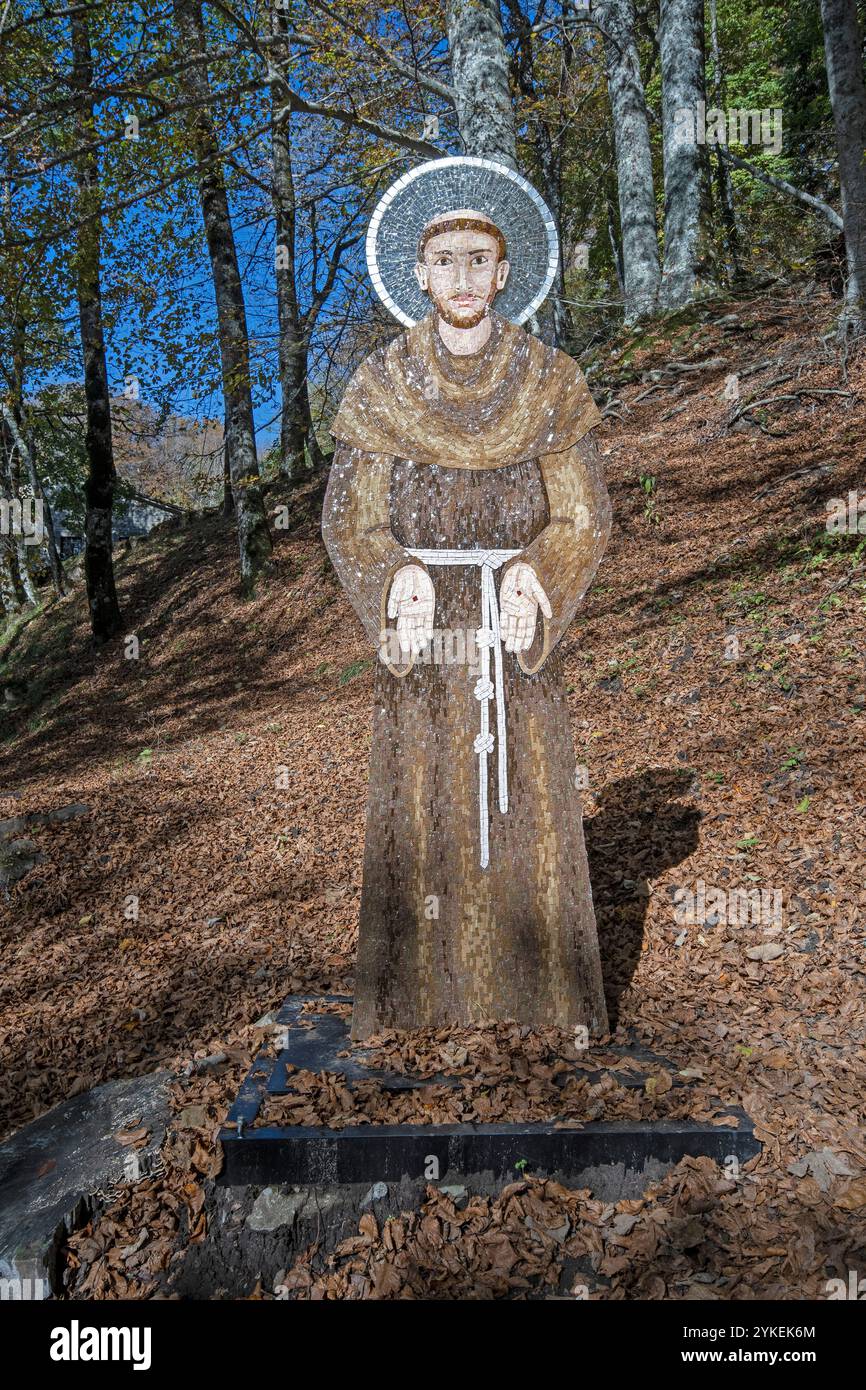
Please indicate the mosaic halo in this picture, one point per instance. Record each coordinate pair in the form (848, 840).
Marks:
(442, 185)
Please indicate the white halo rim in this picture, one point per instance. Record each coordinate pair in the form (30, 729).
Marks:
(451, 161)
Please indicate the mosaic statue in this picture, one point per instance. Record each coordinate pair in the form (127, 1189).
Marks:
(466, 514)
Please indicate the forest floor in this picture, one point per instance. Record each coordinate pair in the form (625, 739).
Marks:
(717, 688)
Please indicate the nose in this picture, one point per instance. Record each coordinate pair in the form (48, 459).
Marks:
(462, 275)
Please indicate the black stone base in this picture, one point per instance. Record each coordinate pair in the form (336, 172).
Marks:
(592, 1156)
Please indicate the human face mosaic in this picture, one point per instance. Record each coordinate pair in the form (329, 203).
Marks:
(462, 274)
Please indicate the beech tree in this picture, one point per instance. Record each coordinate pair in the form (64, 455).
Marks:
(16, 583)
(550, 128)
(298, 325)
(12, 420)
(843, 44)
(681, 50)
(14, 452)
(294, 413)
(637, 206)
(724, 183)
(105, 618)
(479, 74)
(254, 539)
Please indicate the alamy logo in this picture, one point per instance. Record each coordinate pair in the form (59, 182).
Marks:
(447, 647)
(736, 126)
(734, 907)
(847, 515)
(23, 1290)
(855, 1289)
(22, 517)
(77, 1343)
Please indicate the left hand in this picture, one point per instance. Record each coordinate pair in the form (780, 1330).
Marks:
(520, 597)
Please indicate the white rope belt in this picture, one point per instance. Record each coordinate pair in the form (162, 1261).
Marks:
(487, 636)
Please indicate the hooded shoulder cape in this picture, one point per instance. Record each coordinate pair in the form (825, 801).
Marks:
(516, 399)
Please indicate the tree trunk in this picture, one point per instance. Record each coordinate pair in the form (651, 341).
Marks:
(105, 619)
(637, 209)
(253, 536)
(12, 487)
(556, 324)
(724, 182)
(681, 49)
(9, 601)
(228, 499)
(11, 586)
(47, 519)
(18, 452)
(26, 448)
(479, 75)
(843, 45)
(317, 458)
(550, 160)
(615, 244)
(292, 347)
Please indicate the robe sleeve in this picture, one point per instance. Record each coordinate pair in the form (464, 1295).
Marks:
(567, 553)
(356, 529)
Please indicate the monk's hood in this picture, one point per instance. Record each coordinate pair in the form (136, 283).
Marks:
(516, 399)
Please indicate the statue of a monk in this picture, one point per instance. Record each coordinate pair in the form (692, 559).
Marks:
(466, 496)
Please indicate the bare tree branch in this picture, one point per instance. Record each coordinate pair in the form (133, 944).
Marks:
(432, 84)
(816, 204)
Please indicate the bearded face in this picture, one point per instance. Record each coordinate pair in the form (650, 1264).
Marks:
(462, 267)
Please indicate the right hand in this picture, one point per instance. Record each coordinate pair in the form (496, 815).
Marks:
(412, 601)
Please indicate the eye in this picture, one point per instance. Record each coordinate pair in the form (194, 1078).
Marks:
(480, 259)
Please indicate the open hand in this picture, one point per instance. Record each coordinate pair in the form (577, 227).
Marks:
(520, 597)
(412, 601)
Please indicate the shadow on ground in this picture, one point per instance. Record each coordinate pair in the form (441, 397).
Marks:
(640, 829)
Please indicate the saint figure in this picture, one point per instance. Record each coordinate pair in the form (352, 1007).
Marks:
(465, 515)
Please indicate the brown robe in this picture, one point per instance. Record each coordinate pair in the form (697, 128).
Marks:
(489, 451)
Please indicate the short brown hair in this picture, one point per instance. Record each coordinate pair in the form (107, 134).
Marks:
(473, 224)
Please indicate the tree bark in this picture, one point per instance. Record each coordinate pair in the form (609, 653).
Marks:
(228, 499)
(254, 539)
(105, 618)
(9, 601)
(637, 209)
(479, 75)
(724, 183)
(681, 50)
(556, 324)
(300, 454)
(11, 586)
(292, 344)
(11, 488)
(843, 45)
(17, 450)
(47, 518)
(615, 245)
(26, 448)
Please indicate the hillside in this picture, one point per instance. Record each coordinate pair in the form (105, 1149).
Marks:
(735, 763)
